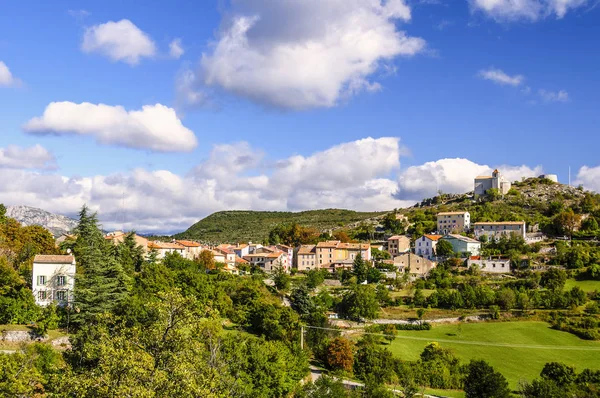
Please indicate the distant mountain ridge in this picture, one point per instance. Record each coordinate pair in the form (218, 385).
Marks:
(55, 223)
(244, 226)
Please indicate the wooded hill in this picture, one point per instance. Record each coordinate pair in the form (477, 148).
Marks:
(254, 226)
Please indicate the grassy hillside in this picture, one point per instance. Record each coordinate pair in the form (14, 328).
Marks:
(240, 226)
(518, 350)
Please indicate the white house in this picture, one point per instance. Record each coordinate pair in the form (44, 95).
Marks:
(495, 230)
(495, 181)
(491, 264)
(267, 261)
(425, 246)
(453, 222)
(162, 248)
(192, 249)
(53, 279)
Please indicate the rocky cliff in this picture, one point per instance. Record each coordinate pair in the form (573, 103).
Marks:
(55, 223)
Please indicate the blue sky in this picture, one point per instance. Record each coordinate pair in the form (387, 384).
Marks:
(264, 98)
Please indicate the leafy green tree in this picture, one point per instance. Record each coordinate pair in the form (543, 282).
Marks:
(281, 278)
(554, 279)
(324, 387)
(373, 363)
(560, 373)
(482, 381)
(314, 278)
(444, 248)
(373, 275)
(590, 224)
(360, 302)
(390, 332)
(301, 301)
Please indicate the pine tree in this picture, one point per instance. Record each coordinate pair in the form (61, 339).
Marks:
(101, 284)
(360, 269)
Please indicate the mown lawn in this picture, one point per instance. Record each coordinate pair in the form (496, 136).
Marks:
(445, 393)
(515, 363)
(586, 286)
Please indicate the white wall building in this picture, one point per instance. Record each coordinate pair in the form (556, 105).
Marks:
(53, 279)
(162, 248)
(491, 265)
(453, 222)
(495, 230)
(495, 181)
(267, 261)
(425, 246)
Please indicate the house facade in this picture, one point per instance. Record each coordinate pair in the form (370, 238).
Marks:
(416, 265)
(53, 279)
(266, 261)
(453, 222)
(492, 264)
(463, 244)
(398, 244)
(117, 237)
(306, 258)
(425, 246)
(192, 249)
(495, 181)
(495, 230)
(162, 248)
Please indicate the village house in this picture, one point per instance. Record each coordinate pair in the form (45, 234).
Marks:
(495, 181)
(463, 244)
(495, 265)
(117, 237)
(162, 248)
(306, 258)
(241, 249)
(495, 230)
(267, 261)
(453, 222)
(416, 265)
(425, 246)
(53, 279)
(398, 244)
(192, 249)
(227, 255)
(335, 251)
(289, 260)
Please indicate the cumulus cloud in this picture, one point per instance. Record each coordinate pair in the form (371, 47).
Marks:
(35, 157)
(359, 175)
(175, 49)
(500, 77)
(532, 10)
(554, 96)
(154, 127)
(302, 54)
(451, 176)
(6, 77)
(589, 177)
(119, 41)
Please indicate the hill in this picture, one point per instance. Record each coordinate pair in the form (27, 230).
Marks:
(244, 226)
(55, 223)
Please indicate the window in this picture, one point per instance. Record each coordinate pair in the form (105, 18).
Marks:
(61, 295)
(42, 295)
(41, 280)
(61, 280)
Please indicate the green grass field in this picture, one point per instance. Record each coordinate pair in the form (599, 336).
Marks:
(516, 362)
(586, 286)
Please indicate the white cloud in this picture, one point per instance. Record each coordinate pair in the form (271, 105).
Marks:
(451, 176)
(302, 54)
(35, 157)
(589, 177)
(532, 10)
(154, 127)
(188, 95)
(175, 49)
(554, 96)
(360, 175)
(119, 41)
(6, 77)
(500, 77)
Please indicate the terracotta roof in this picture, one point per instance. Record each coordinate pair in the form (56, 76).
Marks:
(240, 260)
(224, 251)
(500, 223)
(53, 259)
(356, 246)
(164, 245)
(483, 177)
(267, 255)
(188, 243)
(451, 213)
(475, 258)
(306, 249)
(433, 237)
(329, 243)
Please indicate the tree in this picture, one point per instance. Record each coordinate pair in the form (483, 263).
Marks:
(324, 387)
(560, 373)
(206, 259)
(566, 222)
(444, 248)
(554, 279)
(314, 278)
(360, 302)
(301, 301)
(340, 355)
(590, 224)
(360, 268)
(281, 278)
(482, 381)
(373, 275)
(390, 332)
